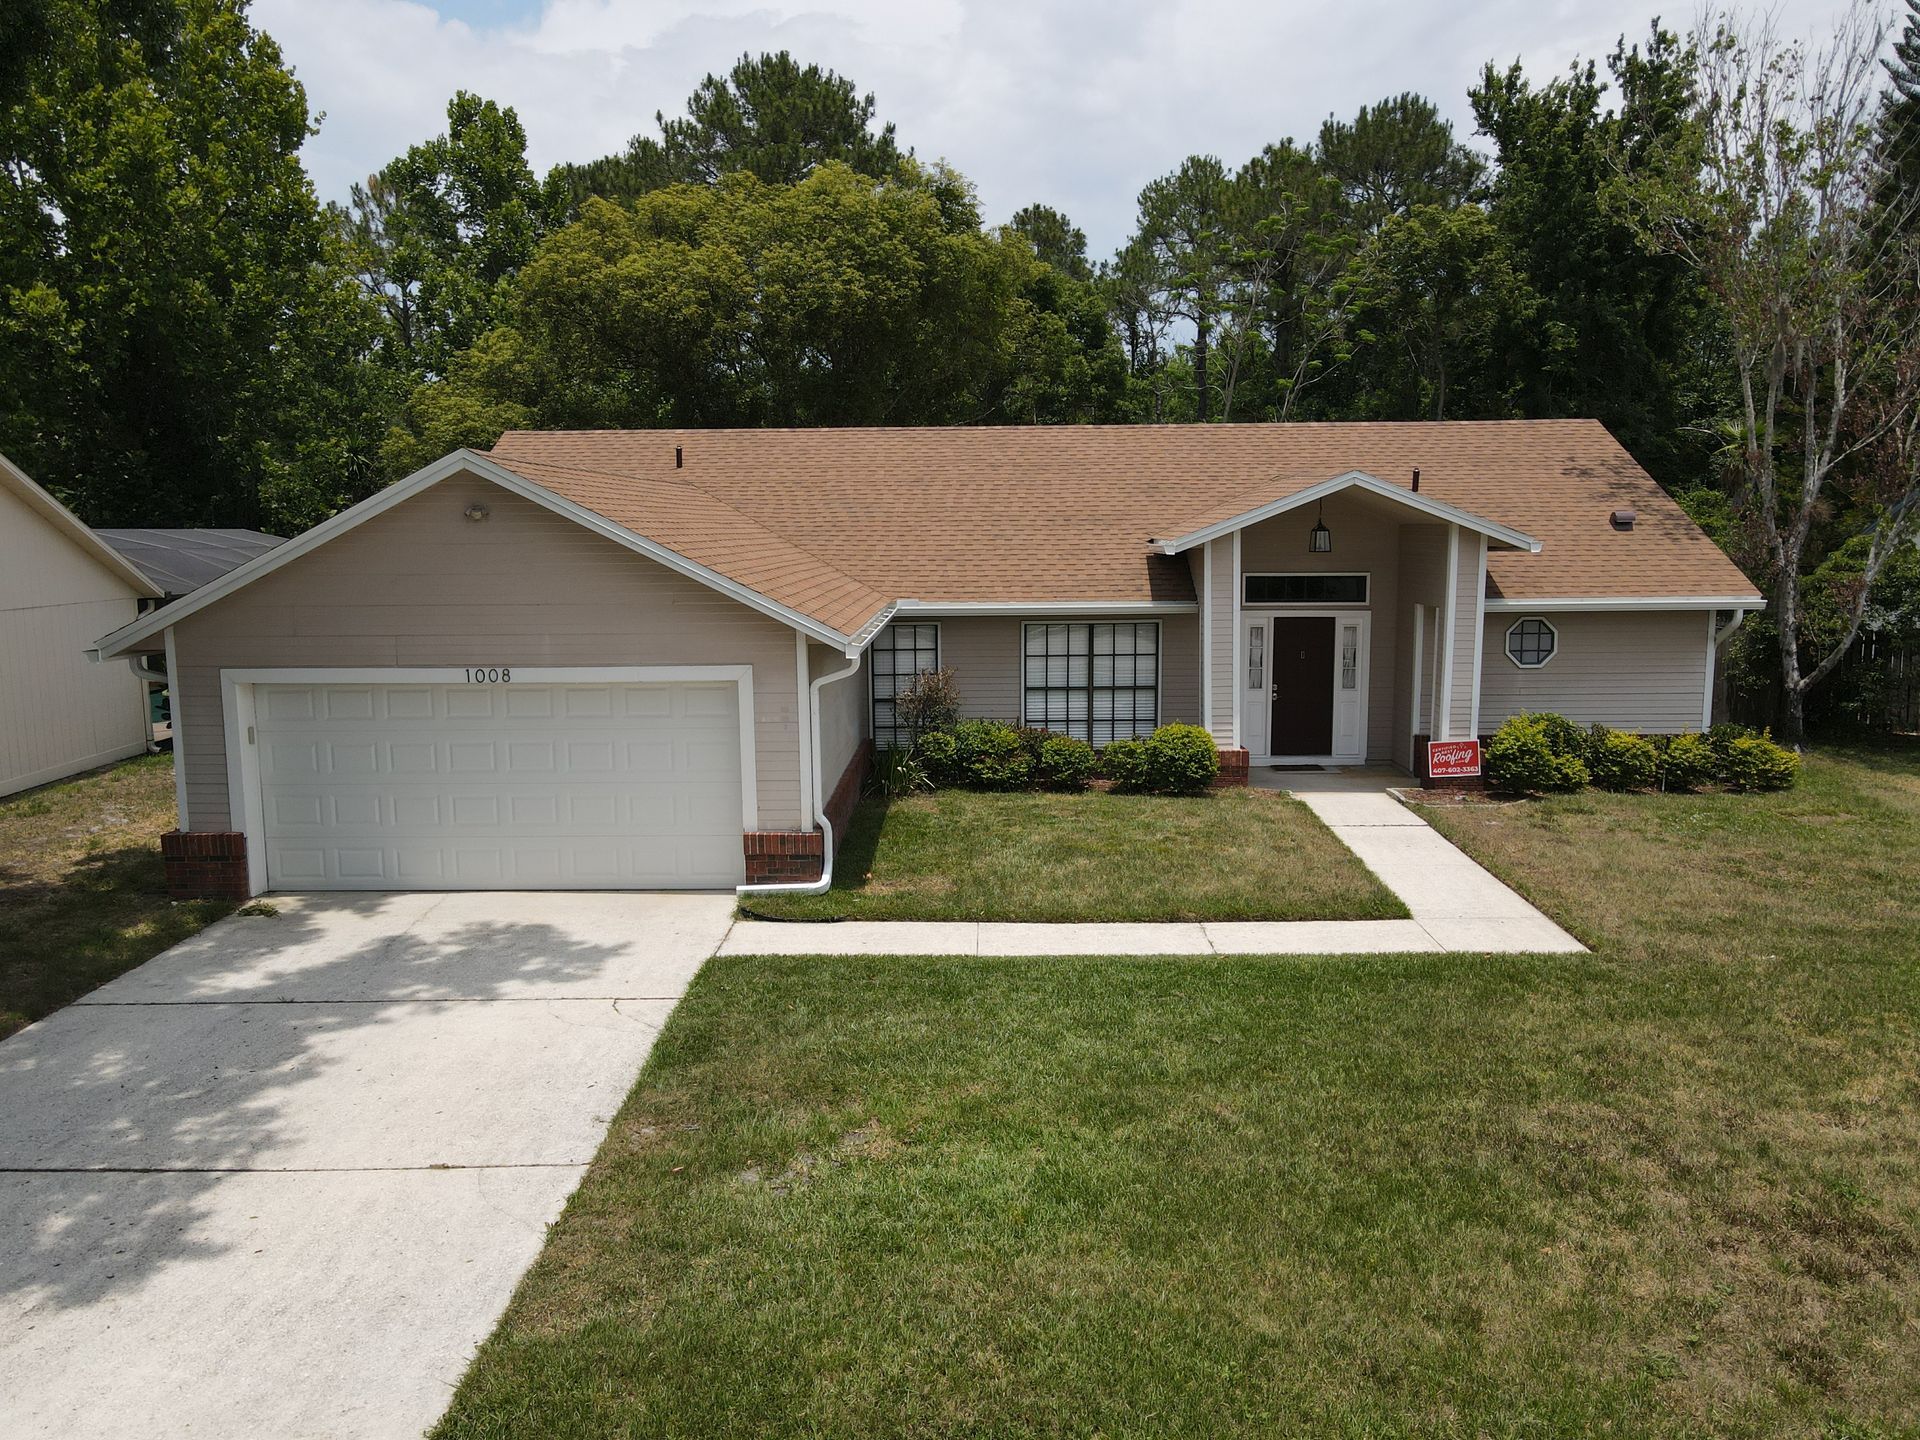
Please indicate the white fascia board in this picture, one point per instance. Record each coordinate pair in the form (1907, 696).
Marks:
(1629, 602)
(959, 608)
(1355, 480)
(459, 461)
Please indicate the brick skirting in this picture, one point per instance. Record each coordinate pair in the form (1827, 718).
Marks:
(1444, 782)
(1233, 768)
(205, 864)
(784, 856)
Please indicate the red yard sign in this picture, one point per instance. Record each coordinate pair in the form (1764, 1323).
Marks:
(1453, 757)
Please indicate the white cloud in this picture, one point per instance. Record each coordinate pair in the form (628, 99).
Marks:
(1073, 102)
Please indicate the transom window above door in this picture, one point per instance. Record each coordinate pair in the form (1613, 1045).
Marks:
(1095, 682)
(1307, 589)
(899, 653)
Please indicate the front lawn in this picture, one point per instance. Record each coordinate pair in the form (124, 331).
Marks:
(82, 894)
(1670, 1188)
(962, 855)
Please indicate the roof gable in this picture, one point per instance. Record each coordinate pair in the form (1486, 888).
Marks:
(1262, 505)
(72, 528)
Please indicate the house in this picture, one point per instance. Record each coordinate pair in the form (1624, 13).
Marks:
(660, 658)
(60, 587)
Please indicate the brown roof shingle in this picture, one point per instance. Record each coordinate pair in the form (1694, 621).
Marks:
(1065, 513)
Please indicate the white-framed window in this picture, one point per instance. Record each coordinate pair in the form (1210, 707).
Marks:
(900, 652)
(1311, 588)
(1095, 681)
(1531, 642)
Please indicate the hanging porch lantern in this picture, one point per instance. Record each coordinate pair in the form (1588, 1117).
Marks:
(1320, 539)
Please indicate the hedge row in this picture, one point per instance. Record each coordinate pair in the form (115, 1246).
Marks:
(1540, 754)
(990, 755)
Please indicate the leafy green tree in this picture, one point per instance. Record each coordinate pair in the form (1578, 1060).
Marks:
(180, 340)
(770, 116)
(440, 230)
(1898, 192)
(836, 301)
(1055, 239)
(1185, 241)
(1395, 155)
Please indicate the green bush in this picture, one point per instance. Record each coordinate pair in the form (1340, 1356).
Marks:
(1754, 762)
(1687, 763)
(1522, 757)
(899, 772)
(1065, 763)
(939, 755)
(1181, 760)
(1124, 762)
(991, 756)
(1616, 760)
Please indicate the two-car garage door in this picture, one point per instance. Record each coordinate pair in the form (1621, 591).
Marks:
(500, 786)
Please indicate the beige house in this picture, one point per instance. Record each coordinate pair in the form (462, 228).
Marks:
(661, 658)
(61, 586)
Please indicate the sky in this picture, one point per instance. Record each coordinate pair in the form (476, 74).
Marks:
(1074, 103)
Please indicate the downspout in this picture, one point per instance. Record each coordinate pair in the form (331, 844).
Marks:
(825, 882)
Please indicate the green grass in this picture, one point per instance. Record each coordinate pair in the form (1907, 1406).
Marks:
(82, 894)
(1671, 1188)
(959, 855)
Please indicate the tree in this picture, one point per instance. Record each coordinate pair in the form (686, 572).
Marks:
(1186, 245)
(1396, 155)
(438, 232)
(1899, 124)
(180, 340)
(1055, 239)
(836, 301)
(1770, 200)
(769, 116)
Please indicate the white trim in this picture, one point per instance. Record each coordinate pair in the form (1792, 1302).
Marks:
(1159, 669)
(1239, 683)
(1206, 645)
(1506, 642)
(1363, 682)
(805, 719)
(246, 805)
(1353, 480)
(1479, 638)
(465, 462)
(1241, 593)
(179, 738)
(821, 818)
(36, 497)
(1443, 714)
(1098, 609)
(1629, 602)
(1419, 656)
(1713, 646)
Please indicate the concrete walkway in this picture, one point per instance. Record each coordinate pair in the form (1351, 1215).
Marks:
(1455, 904)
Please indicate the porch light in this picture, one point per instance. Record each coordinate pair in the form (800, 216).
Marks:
(1320, 539)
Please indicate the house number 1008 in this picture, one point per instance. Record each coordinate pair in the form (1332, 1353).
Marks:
(490, 675)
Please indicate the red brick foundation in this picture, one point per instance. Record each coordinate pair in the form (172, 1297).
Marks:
(205, 864)
(784, 856)
(1444, 782)
(1233, 768)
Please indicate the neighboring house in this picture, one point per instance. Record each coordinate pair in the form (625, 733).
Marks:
(60, 587)
(181, 561)
(601, 659)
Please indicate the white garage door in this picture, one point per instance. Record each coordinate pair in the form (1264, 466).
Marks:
(507, 787)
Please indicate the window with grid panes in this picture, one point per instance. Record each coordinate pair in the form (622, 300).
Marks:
(899, 653)
(1094, 681)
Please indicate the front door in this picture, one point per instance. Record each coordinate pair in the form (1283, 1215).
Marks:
(1302, 665)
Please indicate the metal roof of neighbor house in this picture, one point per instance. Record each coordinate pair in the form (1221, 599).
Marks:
(181, 561)
(1051, 514)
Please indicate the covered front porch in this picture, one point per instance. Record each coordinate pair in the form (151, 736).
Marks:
(1343, 625)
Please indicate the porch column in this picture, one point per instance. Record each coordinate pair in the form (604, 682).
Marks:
(1220, 640)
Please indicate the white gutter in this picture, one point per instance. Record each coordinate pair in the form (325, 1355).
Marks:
(825, 882)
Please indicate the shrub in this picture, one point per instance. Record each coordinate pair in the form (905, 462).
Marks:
(1124, 762)
(939, 755)
(929, 702)
(990, 756)
(1065, 763)
(1618, 761)
(899, 772)
(1687, 763)
(1563, 737)
(1181, 760)
(1032, 737)
(1521, 758)
(1754, 762)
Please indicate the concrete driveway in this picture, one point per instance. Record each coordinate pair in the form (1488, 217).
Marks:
(282, 1179)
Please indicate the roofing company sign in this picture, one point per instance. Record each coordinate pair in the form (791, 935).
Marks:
(1452, 758)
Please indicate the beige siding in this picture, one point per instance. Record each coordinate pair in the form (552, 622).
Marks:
(1469, 585)
(422, 585)
(60, 712)
(1633, 671)
(844, 715)
(985, 653)
(1221, 675)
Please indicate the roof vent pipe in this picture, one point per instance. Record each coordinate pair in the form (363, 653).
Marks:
(1623, 519)
(678, 458)
(1416, 479)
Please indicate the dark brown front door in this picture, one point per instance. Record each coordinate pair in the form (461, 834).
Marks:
(1302, 686)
